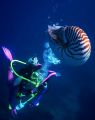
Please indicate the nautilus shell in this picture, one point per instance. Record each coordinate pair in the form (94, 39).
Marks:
(70, 44)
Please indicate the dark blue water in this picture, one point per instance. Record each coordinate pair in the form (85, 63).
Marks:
(23, 29)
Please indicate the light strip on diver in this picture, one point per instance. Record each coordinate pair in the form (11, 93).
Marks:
(21, 105)
(26, 79)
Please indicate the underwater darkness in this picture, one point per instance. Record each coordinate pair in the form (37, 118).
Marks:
(23, 29)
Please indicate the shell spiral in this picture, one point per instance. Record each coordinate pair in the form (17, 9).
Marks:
(70, 44)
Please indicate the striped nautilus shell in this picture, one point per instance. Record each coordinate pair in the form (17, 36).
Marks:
(70, 44)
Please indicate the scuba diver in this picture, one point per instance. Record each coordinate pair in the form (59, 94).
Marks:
(29, 83)
(33, 89)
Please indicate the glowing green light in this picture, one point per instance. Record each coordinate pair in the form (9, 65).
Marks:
(22, 104)
(32, 96)
(26, 79)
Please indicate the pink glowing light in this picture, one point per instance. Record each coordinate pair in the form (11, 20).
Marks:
(7, 53)
(52, 73)
(10, 75)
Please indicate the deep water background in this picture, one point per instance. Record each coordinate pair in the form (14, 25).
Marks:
(23, 29)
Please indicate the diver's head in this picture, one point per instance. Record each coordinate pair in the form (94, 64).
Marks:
(33, 60)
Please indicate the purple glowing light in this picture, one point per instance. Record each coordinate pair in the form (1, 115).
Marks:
(7, 53)
(52, 73)
(10, 75)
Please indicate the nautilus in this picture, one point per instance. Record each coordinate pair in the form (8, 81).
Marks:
(70, 44)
